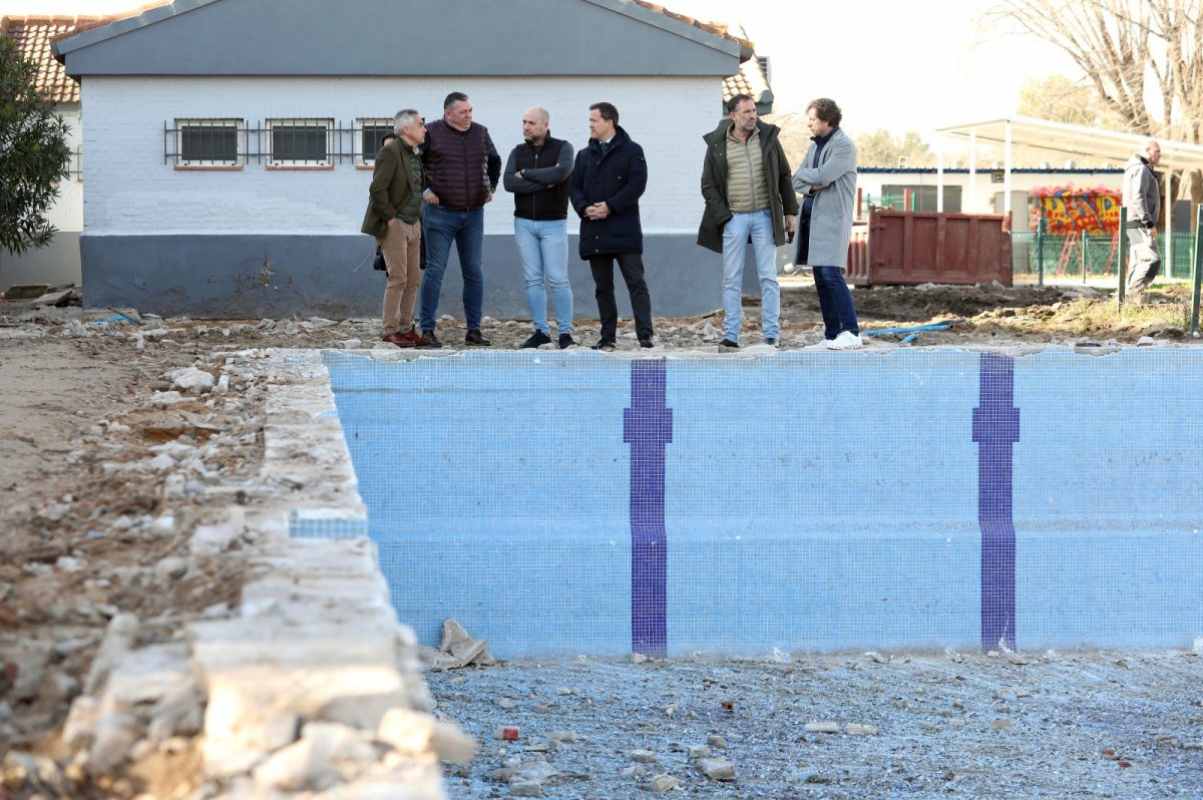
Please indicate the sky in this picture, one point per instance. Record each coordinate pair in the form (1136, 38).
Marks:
(916, 65)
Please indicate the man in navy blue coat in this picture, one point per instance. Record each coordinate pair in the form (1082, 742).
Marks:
(607, 181)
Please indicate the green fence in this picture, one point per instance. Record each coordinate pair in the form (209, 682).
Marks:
(1064, 256)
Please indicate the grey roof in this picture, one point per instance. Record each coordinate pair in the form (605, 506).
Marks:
(401, 37)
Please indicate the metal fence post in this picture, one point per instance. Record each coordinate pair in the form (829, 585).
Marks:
(1040, 249)
(1196, 273)
(1122, 256)
(1083, 256)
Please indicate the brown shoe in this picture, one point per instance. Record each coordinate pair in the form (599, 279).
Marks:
(399, 339)
(412, 336)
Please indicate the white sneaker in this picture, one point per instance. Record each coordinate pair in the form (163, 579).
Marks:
(847, 340)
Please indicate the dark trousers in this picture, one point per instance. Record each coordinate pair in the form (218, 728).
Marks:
(631, 265)
(835, 301)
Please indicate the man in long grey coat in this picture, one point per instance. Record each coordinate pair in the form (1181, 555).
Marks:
(1142, 198)
(827, 180)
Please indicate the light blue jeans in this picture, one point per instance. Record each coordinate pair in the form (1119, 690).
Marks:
(757, 225)
(543, 247)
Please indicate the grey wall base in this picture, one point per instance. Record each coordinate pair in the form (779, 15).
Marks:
(55, 264)
(239, 277)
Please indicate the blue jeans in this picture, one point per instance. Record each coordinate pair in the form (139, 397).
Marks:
(440, 228)
(543, 247)
(759, 226)
(835, 301)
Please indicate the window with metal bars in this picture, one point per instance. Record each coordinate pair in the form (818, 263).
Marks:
(371, 132)
(297, 142)
(207, 142)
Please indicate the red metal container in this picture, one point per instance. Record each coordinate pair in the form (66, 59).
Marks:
(908, 247)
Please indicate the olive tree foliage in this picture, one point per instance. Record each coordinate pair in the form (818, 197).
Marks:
(34, 155)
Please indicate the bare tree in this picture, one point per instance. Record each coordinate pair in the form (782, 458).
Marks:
(1122, 45)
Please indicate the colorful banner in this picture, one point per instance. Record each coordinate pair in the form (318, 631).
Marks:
(1071, 210)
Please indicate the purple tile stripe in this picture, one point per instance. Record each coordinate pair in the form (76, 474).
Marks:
(648, 427)
(996, 430)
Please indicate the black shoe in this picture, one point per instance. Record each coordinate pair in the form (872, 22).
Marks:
(771, 342)
(536, 339)
(646, 342)
(604, 344)
(475, 339)
(429, 341)
(727, 344)
(566, 341)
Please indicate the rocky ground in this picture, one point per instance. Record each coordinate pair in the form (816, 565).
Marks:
(118, 437)
(1071, 725)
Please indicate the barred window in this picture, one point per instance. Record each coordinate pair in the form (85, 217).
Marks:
(207, 142)
(370, 133)
(299, 142)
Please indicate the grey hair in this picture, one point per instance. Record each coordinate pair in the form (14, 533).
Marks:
(404, 118)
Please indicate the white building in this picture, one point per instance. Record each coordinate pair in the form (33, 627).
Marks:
(57, 263)
(981, 195)
(229, 141)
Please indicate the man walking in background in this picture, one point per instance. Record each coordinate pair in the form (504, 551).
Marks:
(462, 170)
(394, 217)
(608, 179)
(748, 193)
(827, 179)
(1142, 199)
(537, 173)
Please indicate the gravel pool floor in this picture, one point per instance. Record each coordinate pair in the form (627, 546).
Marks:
(1057, 725)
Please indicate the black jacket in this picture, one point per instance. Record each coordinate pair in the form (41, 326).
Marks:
(618, 179)
(542, 191)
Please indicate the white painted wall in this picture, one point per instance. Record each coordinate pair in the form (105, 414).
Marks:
(130, 190)
(67, 214)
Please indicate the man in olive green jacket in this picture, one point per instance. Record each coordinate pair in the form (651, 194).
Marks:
(394, 217)
(749, 197)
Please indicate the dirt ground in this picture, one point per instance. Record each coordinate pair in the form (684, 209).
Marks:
(87, 521)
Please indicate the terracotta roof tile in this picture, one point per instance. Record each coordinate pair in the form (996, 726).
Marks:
(708, 27)
(750, 80)
(34, 34)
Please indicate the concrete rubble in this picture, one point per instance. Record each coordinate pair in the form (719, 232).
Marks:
(305, 683)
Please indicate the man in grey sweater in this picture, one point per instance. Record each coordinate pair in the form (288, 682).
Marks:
(1142, 199)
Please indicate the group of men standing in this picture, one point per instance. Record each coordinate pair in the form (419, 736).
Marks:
(434, 181)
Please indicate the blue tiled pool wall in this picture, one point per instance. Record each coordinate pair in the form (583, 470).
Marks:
(562, 503)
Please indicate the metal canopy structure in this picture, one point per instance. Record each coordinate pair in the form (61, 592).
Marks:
(1063, 139)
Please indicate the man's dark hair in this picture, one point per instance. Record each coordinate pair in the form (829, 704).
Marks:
(826, 110)
(607, 110)
(734, 102)
(453, 98)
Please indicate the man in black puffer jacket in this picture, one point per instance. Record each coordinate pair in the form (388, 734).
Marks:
(607, 181)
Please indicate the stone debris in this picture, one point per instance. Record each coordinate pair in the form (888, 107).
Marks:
(716, 741)
(855, 729)
(717, 769)
(662, 783)
(191, 380)
(564, 737)
(457, 650)
(822, 727)
(642, 756)
(698, 751)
